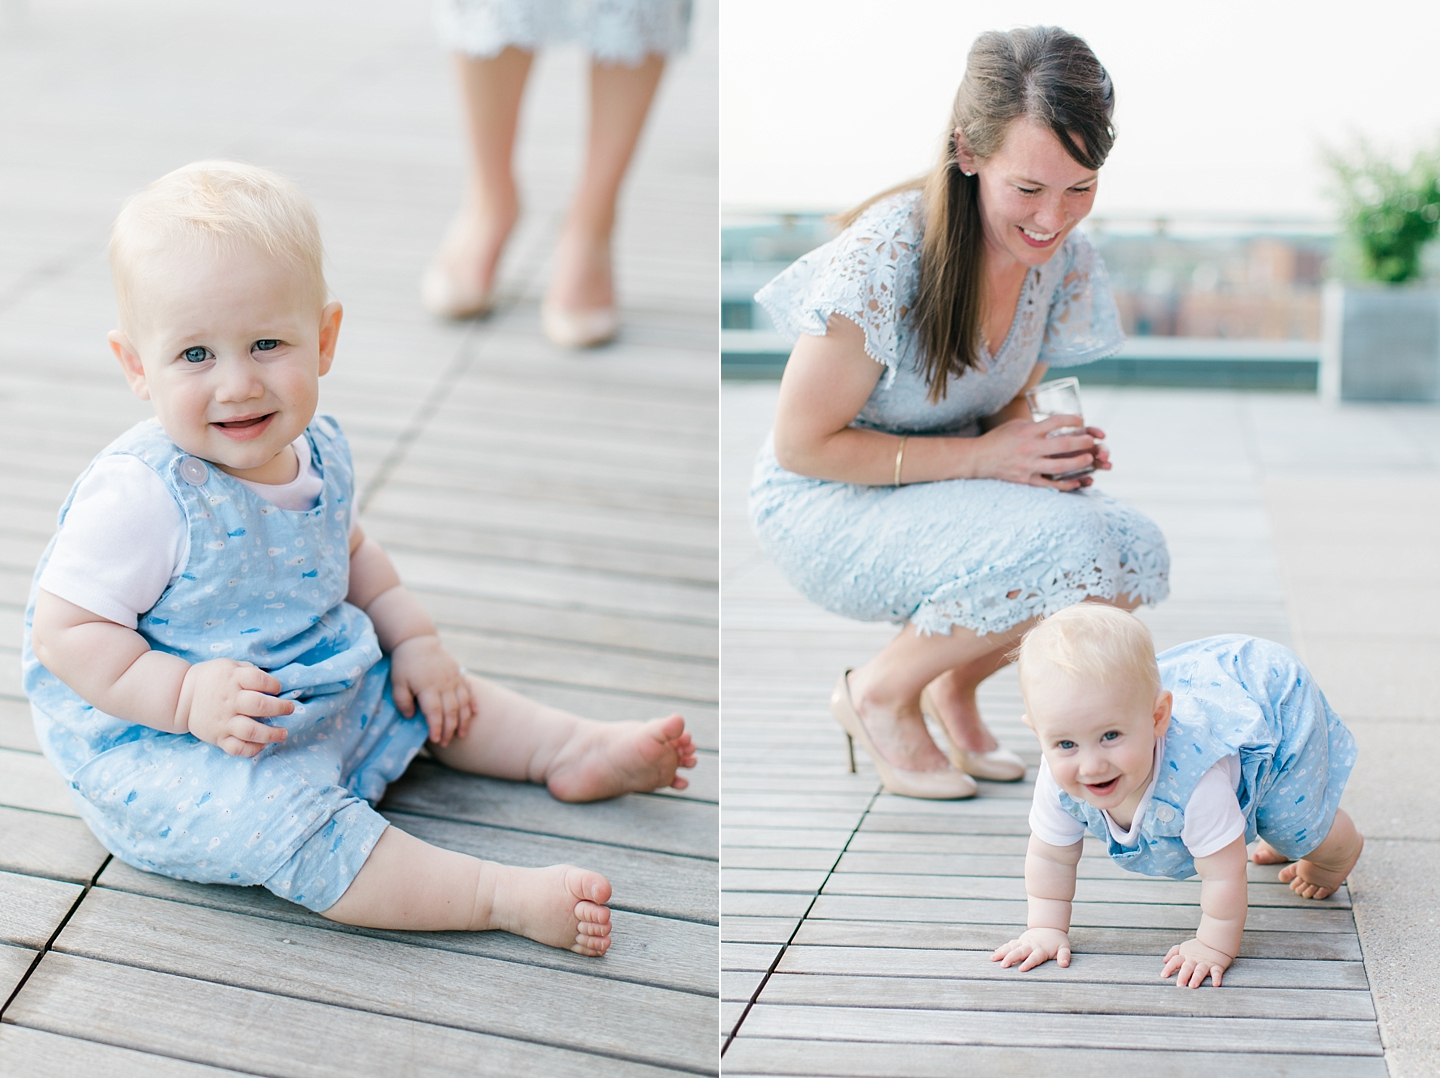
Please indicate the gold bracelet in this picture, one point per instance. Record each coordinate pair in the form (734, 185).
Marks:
(900, 458)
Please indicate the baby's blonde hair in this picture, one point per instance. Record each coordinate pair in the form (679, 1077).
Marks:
(216, 205)
(1092, 643)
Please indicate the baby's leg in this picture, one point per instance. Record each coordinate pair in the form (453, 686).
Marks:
(512, 737)
(1321, 871)
(410, 885)
(1266, 854)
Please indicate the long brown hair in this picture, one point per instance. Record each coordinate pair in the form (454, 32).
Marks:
(1040, 72)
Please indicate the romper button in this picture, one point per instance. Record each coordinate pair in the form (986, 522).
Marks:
(1164, 813)
(194, 472)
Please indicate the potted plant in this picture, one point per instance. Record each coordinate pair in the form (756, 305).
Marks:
(1380, 338)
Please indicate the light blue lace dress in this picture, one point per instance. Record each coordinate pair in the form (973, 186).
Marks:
(981, 553)
(611, 31)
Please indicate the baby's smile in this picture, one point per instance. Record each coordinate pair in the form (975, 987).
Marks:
(244, 428)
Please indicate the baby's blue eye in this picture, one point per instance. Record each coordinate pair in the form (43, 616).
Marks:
(196, 354)
(1109, 735)
(1065, 745)
(266, 345)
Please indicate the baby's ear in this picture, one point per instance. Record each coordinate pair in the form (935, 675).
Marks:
(1025, 718)
(129, 363)
(1163, 704)
(329, 334)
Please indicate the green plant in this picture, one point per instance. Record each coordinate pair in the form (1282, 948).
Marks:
(1389, 213)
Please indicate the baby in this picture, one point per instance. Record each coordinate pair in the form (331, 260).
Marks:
(1176, 764)
(220, 663)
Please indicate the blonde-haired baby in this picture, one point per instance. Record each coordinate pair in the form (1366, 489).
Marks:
(224, 668)
(1177, 763)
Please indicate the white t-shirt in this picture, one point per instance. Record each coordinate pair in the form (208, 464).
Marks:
(1213, 818)
(125, 539)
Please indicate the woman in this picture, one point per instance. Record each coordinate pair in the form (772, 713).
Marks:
(494, 42)
(905, 480)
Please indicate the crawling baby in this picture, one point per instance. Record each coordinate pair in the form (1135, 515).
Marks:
(1176, 764)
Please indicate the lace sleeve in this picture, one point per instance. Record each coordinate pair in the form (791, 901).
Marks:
(869, 274)
(1084, 323)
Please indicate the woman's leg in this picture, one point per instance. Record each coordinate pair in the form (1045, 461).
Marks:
(513, 737)
(407, 884)
(463, 276)
(954, 691)
(620, 99)
(886, 690)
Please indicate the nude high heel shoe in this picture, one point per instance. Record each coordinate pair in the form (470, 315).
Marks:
(947, 785)
(579, 329)
(441, 296)
(997, 765)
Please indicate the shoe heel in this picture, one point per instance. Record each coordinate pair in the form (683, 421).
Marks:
(850, 749)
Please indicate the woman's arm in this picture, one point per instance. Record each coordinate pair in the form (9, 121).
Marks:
(828, 380)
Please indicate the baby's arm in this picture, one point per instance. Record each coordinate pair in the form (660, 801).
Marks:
(1223, 904)
(1050, 887)
(421, 670)
(112, 668)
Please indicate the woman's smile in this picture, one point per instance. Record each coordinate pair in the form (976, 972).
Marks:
(1038, 239)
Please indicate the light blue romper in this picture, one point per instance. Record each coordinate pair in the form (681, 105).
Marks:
(981, 553)
(1238, 695)
(267, 586)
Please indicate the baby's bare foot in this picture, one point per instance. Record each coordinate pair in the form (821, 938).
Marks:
(560, 906)
(1266, 854)
(608, 759)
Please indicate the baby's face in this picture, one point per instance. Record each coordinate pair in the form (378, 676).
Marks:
(229, 347)
(1098, 740)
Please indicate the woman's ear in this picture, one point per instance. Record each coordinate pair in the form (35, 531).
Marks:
(967, 161)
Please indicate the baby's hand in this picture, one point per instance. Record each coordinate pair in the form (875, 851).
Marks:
(222, 698)
(1195, 961)
(421, 669)
(1035, 946)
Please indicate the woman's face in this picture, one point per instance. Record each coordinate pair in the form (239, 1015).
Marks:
(1032, 193)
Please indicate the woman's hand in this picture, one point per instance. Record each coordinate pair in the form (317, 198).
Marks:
(1021, 451)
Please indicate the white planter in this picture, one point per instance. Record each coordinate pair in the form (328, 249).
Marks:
(1380, 343)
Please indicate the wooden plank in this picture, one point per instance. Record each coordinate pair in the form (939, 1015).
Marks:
(655, 950)
(491, 655)
(1059, 996)
(1089, 914)
(916, 1026)
(640, 821)
(27, 781)
(31, 908)
(15, 962)
(17, 729)
(1084, 968)
(1131, 888)
(769, 1056)
(31, 1053)
(751, 956)
(1123, 940)
(43, 844)
(747, 928)
(630, 1021)
(631, 556)
(739, 984)
(263, 1033)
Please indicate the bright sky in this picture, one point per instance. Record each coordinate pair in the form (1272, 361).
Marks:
(1222, 106)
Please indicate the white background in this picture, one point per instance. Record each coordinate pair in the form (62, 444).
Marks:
(1222, 106)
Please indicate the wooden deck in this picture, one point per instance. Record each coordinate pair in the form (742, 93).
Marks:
(857, 925)
(555, 512)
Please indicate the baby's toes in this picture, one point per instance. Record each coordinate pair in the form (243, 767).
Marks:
(589, 887)
(591, 946)
(589, 915)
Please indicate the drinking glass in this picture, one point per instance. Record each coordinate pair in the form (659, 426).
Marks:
(1060, 397)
